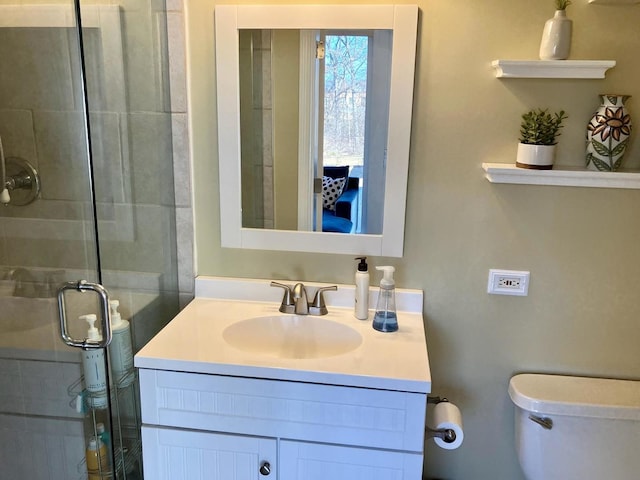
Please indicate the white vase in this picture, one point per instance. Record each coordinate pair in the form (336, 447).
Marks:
(556, 37)
(537, 157)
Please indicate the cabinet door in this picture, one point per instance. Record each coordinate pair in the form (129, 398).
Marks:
(173, 454)
(314, 461)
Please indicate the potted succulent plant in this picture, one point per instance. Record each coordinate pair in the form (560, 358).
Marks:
(538, 132)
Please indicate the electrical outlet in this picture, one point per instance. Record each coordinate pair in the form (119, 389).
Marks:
(508, 282)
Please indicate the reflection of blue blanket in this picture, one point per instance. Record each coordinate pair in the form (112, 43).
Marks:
(331, 223)
(346, 213)
(346, 205)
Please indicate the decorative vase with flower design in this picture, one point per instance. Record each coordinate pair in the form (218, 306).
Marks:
(608, 134)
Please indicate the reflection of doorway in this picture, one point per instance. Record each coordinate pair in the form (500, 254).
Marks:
(344, 98)
(344, 116)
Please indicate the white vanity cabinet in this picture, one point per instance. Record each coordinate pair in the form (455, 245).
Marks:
(223, 412)
(173, 454)
(224, 427)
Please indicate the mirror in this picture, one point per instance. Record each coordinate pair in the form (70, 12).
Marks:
(331, 133)
(277, 124)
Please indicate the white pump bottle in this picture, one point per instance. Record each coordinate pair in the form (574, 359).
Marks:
(120, 349)
(93, 367)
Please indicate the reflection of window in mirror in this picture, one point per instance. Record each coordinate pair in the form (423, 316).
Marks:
(345, 100)
(309, 112)
(356, 75)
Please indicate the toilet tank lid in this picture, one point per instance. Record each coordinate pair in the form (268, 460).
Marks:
(576, 396)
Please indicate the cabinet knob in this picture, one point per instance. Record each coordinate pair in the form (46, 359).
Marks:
(265, 468)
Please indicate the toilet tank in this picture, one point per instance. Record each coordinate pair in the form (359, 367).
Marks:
(576, 428)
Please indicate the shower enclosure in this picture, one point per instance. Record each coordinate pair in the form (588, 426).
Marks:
(85, 103)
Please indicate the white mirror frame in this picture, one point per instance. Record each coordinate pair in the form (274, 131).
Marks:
(403, 20)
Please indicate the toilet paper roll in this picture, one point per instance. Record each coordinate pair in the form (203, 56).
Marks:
(447, 416)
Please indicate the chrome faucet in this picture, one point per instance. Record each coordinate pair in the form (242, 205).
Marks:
(300, 300)
(295, 300)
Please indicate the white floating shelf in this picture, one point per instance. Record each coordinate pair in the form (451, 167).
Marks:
(615, 2)
(552, 68)
(560, 176)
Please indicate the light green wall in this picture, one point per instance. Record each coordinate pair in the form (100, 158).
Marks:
(581, 245)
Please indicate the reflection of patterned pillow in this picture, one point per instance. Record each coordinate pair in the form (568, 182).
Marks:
(331, 190)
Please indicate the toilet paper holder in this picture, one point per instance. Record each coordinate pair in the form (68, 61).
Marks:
(446, 434)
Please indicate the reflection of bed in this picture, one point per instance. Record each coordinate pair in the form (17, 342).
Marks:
(342, 220)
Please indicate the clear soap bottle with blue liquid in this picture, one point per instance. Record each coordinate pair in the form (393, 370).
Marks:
(385, 318)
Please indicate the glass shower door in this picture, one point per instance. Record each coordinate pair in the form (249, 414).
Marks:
(89, 117)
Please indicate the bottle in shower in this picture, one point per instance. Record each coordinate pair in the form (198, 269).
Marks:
(97, 460)
(93, 367)
(120, 349)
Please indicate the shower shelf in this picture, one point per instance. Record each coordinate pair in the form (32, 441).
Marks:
(560, 176)
(128, 454)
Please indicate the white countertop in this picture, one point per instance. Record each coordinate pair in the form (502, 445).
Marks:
(193, 342)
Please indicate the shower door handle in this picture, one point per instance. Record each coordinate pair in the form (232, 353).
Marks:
(105, 317)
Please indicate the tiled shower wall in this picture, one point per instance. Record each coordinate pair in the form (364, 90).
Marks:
(138, 120)
(181, 152)
(256, 124)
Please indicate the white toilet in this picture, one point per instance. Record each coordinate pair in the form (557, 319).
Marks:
(576, 428)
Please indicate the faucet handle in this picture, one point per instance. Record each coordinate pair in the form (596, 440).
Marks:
(287, 305)
(318, 307)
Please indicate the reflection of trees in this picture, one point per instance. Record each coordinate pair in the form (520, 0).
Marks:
(345, 96)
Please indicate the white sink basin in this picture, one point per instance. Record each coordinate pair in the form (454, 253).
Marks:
(292, 336)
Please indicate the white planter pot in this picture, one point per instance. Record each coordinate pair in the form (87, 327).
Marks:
(556, 37)
(538, 157)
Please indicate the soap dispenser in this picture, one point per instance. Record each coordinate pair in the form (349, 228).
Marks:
(361, 303)
(120, 349)
(93, 367)
(385, 318)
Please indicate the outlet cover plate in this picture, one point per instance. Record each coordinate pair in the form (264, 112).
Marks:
(508, 282)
